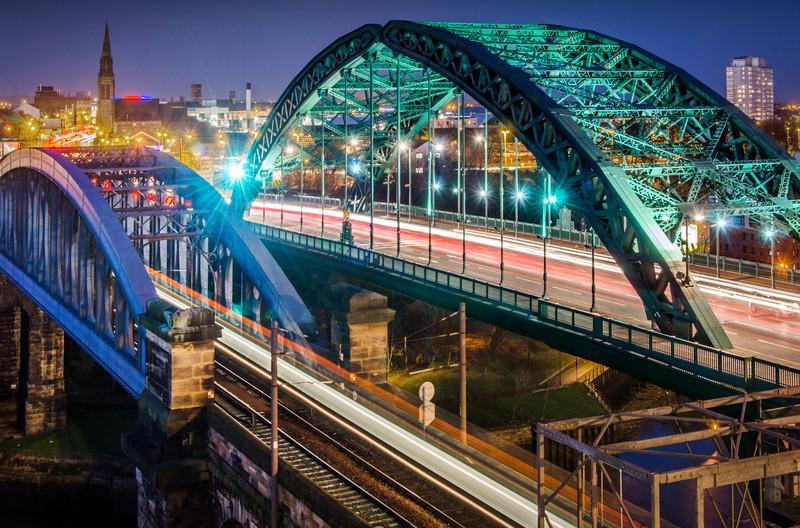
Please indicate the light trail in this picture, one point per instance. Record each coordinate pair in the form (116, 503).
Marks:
(484, 489)
(750, 312)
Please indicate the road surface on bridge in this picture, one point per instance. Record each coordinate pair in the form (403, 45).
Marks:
(759, 321)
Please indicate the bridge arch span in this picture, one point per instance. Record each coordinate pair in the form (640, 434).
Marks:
(63, 246)
(635, 143)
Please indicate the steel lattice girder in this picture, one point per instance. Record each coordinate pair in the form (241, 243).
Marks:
(182, 227)
(635, 140)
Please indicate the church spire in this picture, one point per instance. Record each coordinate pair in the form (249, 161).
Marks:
(106, 62)
(105, 87)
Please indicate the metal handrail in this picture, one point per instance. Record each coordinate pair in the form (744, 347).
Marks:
(692, 358)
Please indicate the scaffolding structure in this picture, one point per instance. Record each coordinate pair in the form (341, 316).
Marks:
(724, 458)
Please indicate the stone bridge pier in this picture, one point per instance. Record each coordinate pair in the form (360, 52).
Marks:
(32, 396)
(169, 446)
(360, 330)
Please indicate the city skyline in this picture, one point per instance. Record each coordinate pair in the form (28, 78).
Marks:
(172, 49)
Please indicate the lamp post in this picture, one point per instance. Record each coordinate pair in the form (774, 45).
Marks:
(323, 94)
(283, 150)
(400, 147)
(345, 117)
(686, 244)
(371, 155)
(770, 234)
(486, 167)
(462, 185)
(502, 212)
(593, 308)
(437, 148)
(549, 200)
(410, 179)
(517, 192)
(430, 172)
(721, 222)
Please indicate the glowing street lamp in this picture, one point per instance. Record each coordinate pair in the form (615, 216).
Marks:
(720, 225)
(549, 201)
(770, 234)
(235, 172)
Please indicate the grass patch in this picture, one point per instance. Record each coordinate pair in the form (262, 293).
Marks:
(491, 400)
(91, 429)
(568, 402)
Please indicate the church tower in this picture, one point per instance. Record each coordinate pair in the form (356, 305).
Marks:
(105, 87)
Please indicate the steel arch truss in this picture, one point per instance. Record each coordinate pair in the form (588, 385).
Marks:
(667, 130)
(631, 139)
(60, 243)
(638, 142)
(183, 228)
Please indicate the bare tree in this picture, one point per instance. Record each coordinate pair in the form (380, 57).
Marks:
(522, 387)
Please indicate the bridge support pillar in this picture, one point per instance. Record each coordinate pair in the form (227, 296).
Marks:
(170, 443)
(32, 396)
(360, 330)
(44, 395)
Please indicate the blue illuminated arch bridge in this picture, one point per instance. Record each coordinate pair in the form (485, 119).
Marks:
(89, 233)
(633, 143)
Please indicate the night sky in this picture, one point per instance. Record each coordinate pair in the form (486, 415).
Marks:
(161, 47)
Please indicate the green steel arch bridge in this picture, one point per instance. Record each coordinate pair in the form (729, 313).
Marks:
(634, 143)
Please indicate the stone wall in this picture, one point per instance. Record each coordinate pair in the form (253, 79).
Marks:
(31, 362)
(48, 487)
(10, 333)
(232, 472)
(46, 401)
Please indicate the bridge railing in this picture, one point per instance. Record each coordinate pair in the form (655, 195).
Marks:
(746, 267)
(686, 356)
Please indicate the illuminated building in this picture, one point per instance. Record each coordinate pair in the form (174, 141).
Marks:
(750, 87)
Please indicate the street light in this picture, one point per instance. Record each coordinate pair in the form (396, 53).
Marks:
(519, 196)
(437, 149)
(770, 234)
(549, 200)
(410, 178)
(502, 207)
(593, 308)
(720, 225)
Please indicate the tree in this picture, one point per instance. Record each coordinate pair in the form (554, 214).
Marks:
(489, 351)
(523, 383)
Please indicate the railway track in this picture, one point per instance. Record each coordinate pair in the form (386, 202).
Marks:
(401, 486)
(335, 484)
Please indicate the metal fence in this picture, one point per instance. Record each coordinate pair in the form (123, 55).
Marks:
(746, 267)
(691, 358)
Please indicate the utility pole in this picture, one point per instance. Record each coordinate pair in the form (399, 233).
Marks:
(273, 465)
(462, 365)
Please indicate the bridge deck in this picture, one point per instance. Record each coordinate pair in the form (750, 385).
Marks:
(569, 275)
